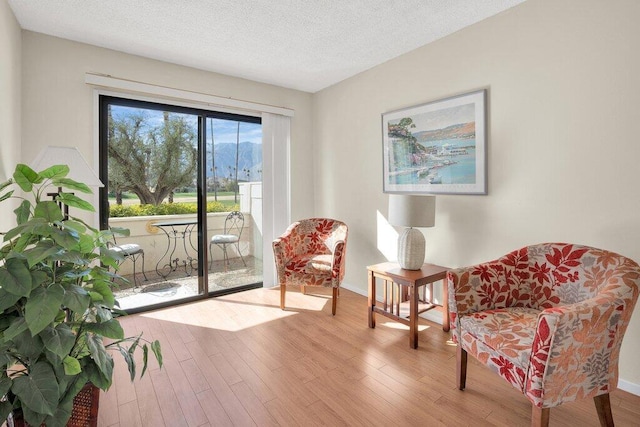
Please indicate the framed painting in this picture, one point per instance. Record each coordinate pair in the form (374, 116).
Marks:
(438, 147)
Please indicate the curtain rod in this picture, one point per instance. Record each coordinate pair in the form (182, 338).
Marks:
(110, 82)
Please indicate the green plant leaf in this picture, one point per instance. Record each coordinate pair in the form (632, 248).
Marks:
(37, 226)
(61, 416)
(7, 300)
(55, 171)
(85, 244)
(75, 385)
(6, 184)
(5, 359)
(70, 184)
(28, 345)
(15, 277)
(25, 177)
(96, 377)
(71, 257)
(41, 251)
(76, 226)
(59, 340)
(39, 389)
(43, 306)
(71, 365)
(18, 326)
(13, 233)
(99, 354)
(38, 277)
(111, 258)
(95, 297)
(5, 196)
(120, 231)
(109, 329)
(76, 298)
(23, 212)
(76, 202)
(104, 289)
(157, 351)
(5, 385)
(32, 418)
(145, 359)
(103, 314)
(5, 409)
(68, 239)
(49, 211)
(131, 364)
(65, 406)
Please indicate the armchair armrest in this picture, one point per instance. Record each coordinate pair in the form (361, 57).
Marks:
(575, 350)
(280, 256)
(337, 265)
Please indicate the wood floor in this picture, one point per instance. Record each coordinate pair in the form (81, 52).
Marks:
(239, 360)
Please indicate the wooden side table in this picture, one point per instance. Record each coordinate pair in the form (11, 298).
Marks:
(401, 307)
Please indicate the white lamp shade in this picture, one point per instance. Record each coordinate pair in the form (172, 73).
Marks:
(412, 210)
(79, 169)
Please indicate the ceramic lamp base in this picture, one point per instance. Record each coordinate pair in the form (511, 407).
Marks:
(411, 247)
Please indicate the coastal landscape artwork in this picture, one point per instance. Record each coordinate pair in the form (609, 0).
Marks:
(439, 147)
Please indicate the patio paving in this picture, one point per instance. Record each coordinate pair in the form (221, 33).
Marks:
(178, 285)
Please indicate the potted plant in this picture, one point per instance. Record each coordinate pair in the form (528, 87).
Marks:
(58, 326)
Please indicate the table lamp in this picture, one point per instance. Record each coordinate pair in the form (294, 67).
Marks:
(411, 211)
(79, 169)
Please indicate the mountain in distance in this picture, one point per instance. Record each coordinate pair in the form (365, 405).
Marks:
(249, 158)
(457, 131)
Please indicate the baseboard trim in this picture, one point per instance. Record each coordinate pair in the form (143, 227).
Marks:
(629, 387)
(436, 317)
(354, 289)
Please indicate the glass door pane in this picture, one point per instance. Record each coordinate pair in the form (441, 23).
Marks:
(152, 164)
(234, 199)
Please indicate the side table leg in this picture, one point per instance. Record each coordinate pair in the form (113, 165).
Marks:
(413, 317)
(445, 306)
(372, 300)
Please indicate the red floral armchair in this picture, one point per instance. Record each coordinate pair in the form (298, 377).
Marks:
(311, 253)
(547, 318)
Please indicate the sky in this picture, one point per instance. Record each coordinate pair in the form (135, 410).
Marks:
(225, 131)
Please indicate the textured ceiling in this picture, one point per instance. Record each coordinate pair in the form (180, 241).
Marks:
(305, 44)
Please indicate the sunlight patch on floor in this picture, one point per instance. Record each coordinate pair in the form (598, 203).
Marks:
(396, 325)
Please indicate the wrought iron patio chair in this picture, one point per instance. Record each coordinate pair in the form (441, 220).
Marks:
(233, 226)
(131, 251)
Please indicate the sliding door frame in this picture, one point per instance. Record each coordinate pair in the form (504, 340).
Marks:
(104, 100)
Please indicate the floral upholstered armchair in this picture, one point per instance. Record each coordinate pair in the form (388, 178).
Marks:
(547, 318)
(311, 253)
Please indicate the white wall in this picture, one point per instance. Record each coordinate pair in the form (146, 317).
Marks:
(563, 149)
(58, 107)
(10, 84)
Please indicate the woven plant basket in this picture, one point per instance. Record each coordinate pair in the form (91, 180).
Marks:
(84, 413)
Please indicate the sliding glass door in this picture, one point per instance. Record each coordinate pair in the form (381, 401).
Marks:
(234, 179)
(186, 184)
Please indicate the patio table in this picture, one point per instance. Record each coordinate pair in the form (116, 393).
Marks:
(177, 231)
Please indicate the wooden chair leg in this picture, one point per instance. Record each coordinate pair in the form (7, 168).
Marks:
(303, 289)
(283, 291)
(334, 300)
(603, 406)
(461, 367)
(539, 416)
